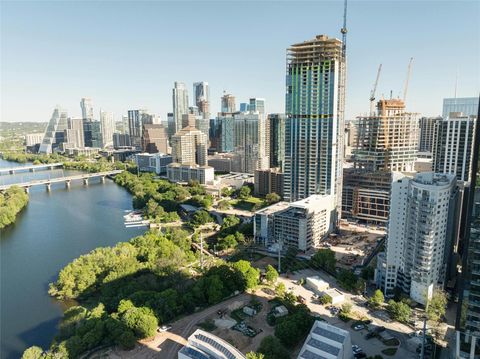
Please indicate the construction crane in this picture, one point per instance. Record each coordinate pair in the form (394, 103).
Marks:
(344, 31)
(374, 89)
(409, 70)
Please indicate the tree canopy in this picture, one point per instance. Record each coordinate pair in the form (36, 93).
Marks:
(12, 201)
(325, 258)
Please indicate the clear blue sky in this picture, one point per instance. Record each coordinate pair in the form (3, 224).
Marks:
(126, 55)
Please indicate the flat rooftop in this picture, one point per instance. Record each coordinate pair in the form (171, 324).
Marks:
(274, 208)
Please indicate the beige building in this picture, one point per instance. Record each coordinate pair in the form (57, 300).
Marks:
(155, 139)
(189, 146)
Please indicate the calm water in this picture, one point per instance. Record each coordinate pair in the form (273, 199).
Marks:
(55, 228)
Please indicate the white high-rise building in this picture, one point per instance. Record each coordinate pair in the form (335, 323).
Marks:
(420, 234)
(453, 145)
(87, 108)
(250, 141)
(257, 104)
(180, 104)
(107, 123)
(55, 133)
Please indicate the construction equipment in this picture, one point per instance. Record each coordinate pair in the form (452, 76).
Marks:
(374, 89)
(405, 89)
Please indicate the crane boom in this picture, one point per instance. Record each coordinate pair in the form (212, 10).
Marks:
(409, 70)
(374, 89)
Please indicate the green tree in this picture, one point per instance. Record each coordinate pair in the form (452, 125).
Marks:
(141, 321)
(347, 280)
(367, 273)
(280, 290)
(223, 205)
(436, 306)
(376, 300)
(214, 289)
(272, 198)
(201, 217)
(33, 353)
(245, 192)
(253, 355)
(227, 242)
(324, 258)
(272, 348)
(399, 311)
(325, 299)
(292, 328)
(249, 274)
(271, 274)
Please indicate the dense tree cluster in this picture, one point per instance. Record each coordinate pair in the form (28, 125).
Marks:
(272, 348)
(12, 201)
(30, 157)
(102, 165)
(349, 281)
(324, 258)
(376, 300)
(436, 306)
(399, 311)
(138, 285)
(293, 328)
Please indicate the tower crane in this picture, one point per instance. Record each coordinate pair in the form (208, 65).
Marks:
(374, 89)
(409, 70)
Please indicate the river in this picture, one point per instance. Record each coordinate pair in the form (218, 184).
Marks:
(51, 231)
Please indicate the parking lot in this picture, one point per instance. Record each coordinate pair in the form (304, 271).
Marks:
(370, 347)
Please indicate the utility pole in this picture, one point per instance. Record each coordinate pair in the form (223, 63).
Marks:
(424, 332)
(201, 250)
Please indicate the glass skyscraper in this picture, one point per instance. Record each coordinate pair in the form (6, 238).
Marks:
(467, 105)
(313, 129)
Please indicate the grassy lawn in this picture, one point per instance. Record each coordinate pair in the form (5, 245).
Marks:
(248, 204)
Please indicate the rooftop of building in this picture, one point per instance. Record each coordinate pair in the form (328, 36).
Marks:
(212, 346)
(188, 165)
(315, 201)
(236, 175)
(319, 339)
(434, 179)
(279, 206)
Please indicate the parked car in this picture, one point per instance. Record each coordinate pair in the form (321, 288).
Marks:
(359, 327)
(164, 328)
(379, 329)
(370, 335)
(360, 355)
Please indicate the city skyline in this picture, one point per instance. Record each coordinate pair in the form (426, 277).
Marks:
(108, 78)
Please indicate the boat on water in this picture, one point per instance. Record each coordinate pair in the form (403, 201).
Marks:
(133, 216)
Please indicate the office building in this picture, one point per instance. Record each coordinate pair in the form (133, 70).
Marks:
(388, 139)
(55, 133)
(177, 172)
(76, 135)
(226, 125)
(180, 104)
(225, 162)
(121, 140)
(135, 126)
(171, 124)
(257, 105)
(250, 141)
(243, 107)
(228, 103)
(122, 126)
(107, 123)
(366, 195)
(268, 181)
(276, 139)
(326, 341)
(188, 120)
(350, 139)
(204, 345)
(92, 134)
(155, 139)
(467, 340)
(466, 105)
(421, 229)
(153, 162)
(189, 146)
(201, 93)
(32, 139)
(426, 134)
(203, 125)
(302, 224)
(453, 145)
(314, 126)
(87, 108)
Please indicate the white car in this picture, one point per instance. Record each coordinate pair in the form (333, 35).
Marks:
(164, 328)
(359, 327)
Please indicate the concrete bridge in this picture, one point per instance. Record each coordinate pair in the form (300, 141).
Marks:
(67, 180)
(31, 168)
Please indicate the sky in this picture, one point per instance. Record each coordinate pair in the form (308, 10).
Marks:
(127, 55)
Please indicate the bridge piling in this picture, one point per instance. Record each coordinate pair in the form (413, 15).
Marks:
(85, 181)
(67, 184)
(49, 186)
(102, 179)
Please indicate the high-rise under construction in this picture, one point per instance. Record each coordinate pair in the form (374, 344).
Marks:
(388, 139)
(314, 124)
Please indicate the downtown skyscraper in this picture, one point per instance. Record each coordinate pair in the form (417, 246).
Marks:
(180, 104)
(314, 125)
